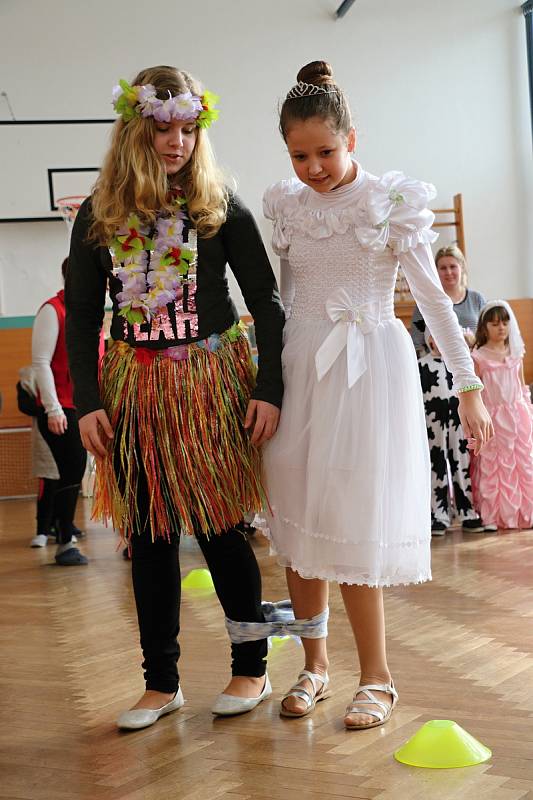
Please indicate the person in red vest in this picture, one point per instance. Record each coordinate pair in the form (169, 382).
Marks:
(57, 419)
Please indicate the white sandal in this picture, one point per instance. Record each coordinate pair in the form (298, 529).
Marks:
(311, 699)
(383, 711)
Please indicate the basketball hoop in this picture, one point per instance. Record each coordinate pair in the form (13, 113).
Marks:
(68, 207)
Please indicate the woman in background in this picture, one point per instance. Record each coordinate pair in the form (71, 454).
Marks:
(452, 272)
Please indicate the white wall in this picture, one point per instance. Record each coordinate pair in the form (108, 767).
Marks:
(437, 89)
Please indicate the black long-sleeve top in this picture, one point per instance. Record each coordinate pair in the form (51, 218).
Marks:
(237, 243)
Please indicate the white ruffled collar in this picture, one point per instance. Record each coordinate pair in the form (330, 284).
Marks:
(388, 211)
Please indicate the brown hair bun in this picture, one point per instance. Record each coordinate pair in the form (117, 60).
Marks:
(329, 104)
(317, 72)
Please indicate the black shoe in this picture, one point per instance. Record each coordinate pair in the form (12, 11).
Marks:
(473, 525)
(438, 528)
(126, 554)
(71, 558)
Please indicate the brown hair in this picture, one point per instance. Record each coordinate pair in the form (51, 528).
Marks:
(493, 314)
(454, 251)
(133, 177)
(332, 107)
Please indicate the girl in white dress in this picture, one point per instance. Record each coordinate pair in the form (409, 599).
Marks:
(348, 473)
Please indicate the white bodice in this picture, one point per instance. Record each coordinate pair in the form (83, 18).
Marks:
(319, 266)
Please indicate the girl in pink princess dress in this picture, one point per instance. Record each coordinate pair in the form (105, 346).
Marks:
(503, 470)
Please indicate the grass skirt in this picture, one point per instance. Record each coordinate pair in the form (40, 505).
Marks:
(178, 428)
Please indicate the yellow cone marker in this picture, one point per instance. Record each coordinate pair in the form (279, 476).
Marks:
(442, 744)
(278, 641)
(198, 579)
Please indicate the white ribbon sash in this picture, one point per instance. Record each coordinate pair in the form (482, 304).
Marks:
(352, 323)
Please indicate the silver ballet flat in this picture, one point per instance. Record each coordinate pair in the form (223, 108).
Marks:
(226, 705)
(144, 717)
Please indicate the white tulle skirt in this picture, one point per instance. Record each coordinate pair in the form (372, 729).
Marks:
(348, 473)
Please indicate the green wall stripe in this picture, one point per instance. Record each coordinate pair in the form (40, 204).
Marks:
(16, 322)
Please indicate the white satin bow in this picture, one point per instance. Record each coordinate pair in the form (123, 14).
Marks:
(352, 323)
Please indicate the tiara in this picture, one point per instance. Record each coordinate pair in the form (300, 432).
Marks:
(302, 89)
(142, 101)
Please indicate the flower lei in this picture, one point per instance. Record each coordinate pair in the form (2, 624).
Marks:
(149, 283)
(142, 101)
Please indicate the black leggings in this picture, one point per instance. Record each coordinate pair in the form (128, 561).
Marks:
(157, 588)
(45, 505)
(71, 458)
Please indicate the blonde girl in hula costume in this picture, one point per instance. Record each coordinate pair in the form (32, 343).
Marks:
(178, 414)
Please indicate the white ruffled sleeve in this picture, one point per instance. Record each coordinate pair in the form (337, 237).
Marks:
(437, 309)
(398, 213)
(278, 201)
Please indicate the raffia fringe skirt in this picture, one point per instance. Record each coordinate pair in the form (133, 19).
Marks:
(178, 429)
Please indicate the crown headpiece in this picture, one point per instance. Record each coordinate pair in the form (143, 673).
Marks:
(302, 89)
(142, 101)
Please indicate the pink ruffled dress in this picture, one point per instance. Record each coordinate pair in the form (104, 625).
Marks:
(502, 474)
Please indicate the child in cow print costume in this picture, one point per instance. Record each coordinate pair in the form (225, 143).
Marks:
(447, 446)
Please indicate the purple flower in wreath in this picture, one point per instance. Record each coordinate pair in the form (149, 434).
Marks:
(151, 107)
(148, 100)
(145, 93)
(163, 111)
(187, 106)
(183, 106)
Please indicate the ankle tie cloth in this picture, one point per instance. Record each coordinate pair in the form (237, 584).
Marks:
(279, 621)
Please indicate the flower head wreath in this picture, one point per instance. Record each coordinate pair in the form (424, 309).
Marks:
(142, 101)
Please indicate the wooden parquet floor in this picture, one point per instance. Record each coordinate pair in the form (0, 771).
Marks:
(460, 648)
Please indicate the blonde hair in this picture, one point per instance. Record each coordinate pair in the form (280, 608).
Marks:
(133, 177)
(455, 252)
